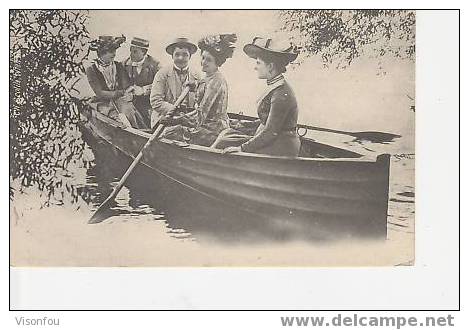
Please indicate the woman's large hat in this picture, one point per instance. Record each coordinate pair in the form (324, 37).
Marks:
(181, 42)
(219, 45)
(107, 43)
(260, 46)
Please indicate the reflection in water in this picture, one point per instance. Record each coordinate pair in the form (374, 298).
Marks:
(137, 198)
(187, 214)
(401, 210)
(156, 198)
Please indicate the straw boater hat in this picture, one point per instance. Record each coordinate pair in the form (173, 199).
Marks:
(283, 50)
(181, 42)
(140, 43)
(107, 43)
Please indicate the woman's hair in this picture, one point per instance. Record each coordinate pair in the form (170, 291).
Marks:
(221, 46)
(102, 51)
(280, 62)
(219, 58)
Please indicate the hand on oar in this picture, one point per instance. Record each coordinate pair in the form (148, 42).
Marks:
(231, 150)
(102, 212)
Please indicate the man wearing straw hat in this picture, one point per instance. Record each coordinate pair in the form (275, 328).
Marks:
(141, 69)
(170, 81)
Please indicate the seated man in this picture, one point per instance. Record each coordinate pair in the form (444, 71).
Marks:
(170, 81)
(110, 82)
(141, 69)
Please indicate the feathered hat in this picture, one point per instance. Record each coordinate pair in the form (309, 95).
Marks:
(281, 49)
(221, 46)
(106, 43)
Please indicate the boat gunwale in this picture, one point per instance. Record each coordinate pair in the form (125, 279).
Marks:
(110, 121)
(291, 175)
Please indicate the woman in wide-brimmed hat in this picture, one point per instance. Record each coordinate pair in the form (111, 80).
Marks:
(110, 82)
(210, 116)
(277, 107)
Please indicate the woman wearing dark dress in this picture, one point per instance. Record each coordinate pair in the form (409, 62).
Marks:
(277, 107)
(110, 81)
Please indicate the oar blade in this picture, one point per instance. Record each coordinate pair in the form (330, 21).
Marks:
(375, 137)
(102, 213)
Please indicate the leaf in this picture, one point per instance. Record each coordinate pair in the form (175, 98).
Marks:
(42, 119)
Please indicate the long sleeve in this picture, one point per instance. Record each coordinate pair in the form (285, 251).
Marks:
(213, 89)
(154, 68)
(124, 80)
(95, 84)
(158, 92)
(158, 66)
(280, 106)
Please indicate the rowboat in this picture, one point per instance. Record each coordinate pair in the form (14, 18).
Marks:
(327, 191)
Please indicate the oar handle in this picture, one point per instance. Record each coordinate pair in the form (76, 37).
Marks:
(179, 100)
(322, 129)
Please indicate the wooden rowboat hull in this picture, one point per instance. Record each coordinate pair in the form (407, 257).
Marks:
(331, 197)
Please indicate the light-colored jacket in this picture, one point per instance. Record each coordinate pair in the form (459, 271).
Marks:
(166, 88)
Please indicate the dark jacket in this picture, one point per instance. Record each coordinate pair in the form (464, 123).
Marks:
(143, 79)
(278, 113)
(99, 86)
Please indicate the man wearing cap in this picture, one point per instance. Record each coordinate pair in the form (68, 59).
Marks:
(141, 69)
(170, 81)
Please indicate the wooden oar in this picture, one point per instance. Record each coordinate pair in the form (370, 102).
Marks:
(372, 136)
(100, 214)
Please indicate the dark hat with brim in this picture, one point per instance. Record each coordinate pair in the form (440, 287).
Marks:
(181, 43)
(107, 43)
(140, 43)
(261, 46)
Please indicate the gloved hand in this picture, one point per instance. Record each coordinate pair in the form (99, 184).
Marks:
(138, 91)
(146, 89)
(170, 120)
(231, 150)
(128, 97)
(129, 89)
(119, 93)
(188, 121)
